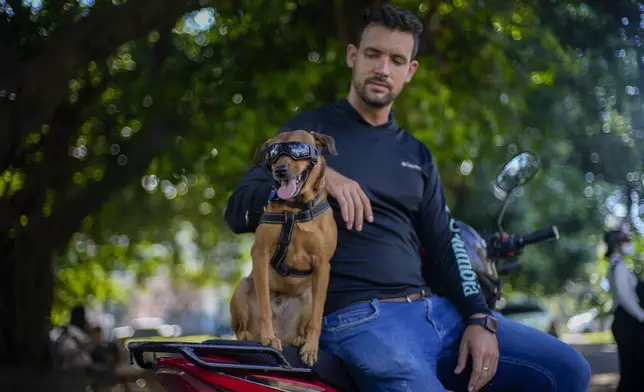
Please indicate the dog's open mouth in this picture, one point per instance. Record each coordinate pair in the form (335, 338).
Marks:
(289, 188)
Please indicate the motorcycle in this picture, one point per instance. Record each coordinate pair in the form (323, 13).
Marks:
(234, 365)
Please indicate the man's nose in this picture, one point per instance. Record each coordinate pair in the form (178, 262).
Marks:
(281, 170)
(382, 68)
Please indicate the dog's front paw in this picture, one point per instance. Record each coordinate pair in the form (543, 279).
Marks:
(309, 353)
(299, 341)
(272, 341)
(244, 335)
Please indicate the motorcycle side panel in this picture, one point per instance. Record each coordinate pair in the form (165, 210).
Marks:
(180, 375)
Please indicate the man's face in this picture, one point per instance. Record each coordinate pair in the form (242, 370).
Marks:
(381, 65)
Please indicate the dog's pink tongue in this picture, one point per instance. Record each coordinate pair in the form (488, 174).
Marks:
(287, 189)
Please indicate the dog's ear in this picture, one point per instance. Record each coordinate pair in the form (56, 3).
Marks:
(259, 153)
(325, 141)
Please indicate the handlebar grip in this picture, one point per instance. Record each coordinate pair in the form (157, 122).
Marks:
(541, 235)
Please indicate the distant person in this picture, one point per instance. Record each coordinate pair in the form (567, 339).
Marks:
(74, 343)
(77, 320)
(99, 352)
(628, 325)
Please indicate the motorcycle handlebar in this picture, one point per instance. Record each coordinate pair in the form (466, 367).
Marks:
(540, 235)
(508, 245)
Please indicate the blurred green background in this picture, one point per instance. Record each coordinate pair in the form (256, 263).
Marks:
(125, 126)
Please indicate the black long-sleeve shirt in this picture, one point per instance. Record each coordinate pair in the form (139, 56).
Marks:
(397, 173)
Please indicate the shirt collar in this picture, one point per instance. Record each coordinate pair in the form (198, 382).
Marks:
(345, 106)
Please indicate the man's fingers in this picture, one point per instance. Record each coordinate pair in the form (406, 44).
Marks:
(358, 209)
(368, 213)
(477, 369)
(342, 202)
(494, 364)
(350, 209)
(354, 205)
(490, 373)
(486, 375)
(494, 367)
(490, 364)
(462, 357)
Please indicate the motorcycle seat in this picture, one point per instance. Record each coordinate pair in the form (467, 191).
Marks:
(328, 369)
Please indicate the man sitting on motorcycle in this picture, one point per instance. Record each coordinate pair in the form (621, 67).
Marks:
(388, 202)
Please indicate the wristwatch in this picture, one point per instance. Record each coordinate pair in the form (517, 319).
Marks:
(488, 322)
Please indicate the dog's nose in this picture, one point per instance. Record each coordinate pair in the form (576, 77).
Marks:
(281, 170)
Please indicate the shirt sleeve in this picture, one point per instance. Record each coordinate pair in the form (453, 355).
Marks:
(247, 201)
(625, 292)
(448, 259)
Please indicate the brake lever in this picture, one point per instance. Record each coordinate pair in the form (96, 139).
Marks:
(504, 246)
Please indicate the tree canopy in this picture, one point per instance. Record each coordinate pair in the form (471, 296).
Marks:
(125, 125)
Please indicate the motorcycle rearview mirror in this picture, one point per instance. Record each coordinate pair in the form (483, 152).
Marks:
(518, 171)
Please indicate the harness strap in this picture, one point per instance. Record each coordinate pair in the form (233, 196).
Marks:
(288, 220)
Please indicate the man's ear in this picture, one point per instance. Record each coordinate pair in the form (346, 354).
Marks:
(413, 66)
(325, 141)
(352, 52)
(259, 153)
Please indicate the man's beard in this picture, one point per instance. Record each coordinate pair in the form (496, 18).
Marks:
(372, 101)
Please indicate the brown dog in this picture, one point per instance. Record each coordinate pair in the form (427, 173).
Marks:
(272, 305)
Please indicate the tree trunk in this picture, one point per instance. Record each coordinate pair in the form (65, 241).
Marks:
(26, 251)
(41, 379)
(26, 283)
(26, 289)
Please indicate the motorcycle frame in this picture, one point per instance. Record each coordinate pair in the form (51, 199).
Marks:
(203, 367)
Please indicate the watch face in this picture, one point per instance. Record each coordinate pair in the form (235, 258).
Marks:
(492, 324)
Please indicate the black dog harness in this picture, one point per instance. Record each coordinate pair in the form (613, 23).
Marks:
(288, 219)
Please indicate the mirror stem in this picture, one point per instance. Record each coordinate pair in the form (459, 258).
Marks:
(506, 201)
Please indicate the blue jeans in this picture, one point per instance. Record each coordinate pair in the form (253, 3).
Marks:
(414, 347)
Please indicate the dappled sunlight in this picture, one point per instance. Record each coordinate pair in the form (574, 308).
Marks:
(123, 142)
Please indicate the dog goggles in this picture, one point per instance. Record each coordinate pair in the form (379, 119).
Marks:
(295, 150)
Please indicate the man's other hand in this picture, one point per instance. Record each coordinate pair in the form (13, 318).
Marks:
(484, 348)
(354, 204)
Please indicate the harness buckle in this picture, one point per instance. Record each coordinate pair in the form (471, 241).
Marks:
(282, 269)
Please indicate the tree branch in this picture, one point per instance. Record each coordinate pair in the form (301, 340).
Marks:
(151, 141)
(10, 67)
(95, 37)
(52, 170)
(431, 27)
(340, 21)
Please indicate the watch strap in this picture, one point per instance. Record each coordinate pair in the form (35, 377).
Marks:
(488, 322)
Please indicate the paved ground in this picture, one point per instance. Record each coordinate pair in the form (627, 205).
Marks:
(603, 363)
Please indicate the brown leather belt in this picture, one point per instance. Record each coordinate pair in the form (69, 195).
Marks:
(407, 298)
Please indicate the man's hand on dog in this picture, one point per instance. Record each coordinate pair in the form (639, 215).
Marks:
(354, 204)
(484, 348)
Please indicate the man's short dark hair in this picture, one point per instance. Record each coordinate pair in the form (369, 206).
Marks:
(394, 18)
